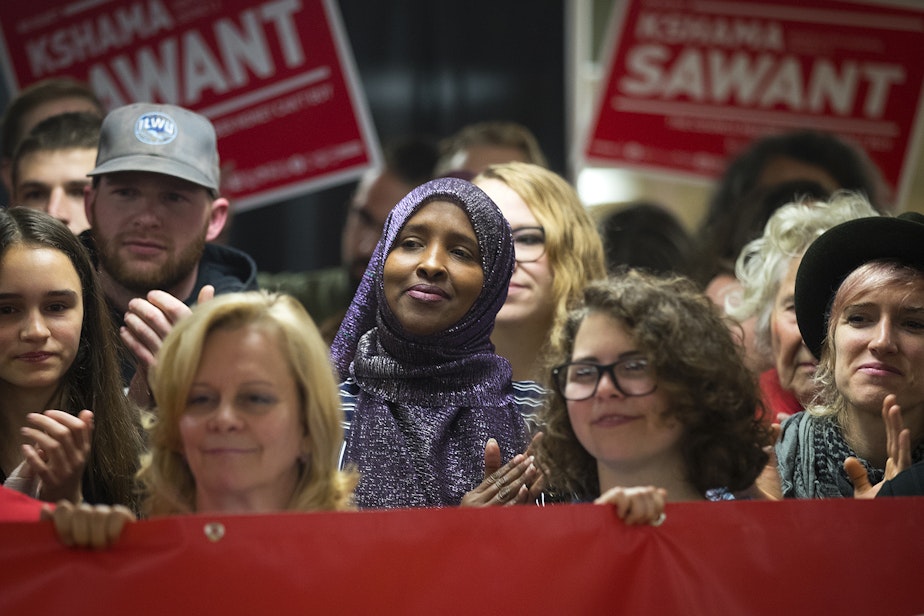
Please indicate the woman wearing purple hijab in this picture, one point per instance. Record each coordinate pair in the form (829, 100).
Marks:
(423, 389)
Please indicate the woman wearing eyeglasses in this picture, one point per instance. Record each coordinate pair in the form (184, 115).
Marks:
(651, 391)
(558, 251)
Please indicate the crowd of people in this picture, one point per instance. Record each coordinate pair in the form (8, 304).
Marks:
(485, 342)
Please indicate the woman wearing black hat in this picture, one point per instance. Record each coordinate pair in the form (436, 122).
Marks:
(860, 307)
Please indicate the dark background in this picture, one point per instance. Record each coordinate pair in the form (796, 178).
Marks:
(427, 67)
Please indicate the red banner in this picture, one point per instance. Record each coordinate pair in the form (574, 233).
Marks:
(276, 77)
(790, 557)
(691, 82)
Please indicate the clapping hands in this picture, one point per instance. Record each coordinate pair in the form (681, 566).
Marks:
(518, 482)
(898, 446)
(54, 456)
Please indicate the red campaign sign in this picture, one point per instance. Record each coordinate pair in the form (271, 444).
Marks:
(837, 556)
(691, 82)
(276, 78)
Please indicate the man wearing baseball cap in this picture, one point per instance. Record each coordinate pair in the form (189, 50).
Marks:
(153, 206)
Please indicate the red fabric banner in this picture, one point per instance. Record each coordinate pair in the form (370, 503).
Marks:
(790, 557)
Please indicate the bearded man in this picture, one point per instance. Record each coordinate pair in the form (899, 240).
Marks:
(153, 207)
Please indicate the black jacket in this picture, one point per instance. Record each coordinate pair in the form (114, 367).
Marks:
(909, 482)
(227, 269)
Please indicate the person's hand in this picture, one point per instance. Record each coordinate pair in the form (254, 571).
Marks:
(150, 319)
(504, 485)
(767, 485)
(642, 505)
(54, 456)
(88, 526)
(898, 446)
(538, 484)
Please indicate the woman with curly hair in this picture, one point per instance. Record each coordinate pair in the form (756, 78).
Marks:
(651, 390)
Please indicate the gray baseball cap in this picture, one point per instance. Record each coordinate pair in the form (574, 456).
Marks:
(161, 139)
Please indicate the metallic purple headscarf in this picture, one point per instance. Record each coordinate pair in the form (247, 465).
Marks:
(428, 404)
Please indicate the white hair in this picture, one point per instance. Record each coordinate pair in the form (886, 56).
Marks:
(789, 232)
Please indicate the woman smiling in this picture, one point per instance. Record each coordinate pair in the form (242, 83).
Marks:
(650, 390)
(860, 307)
(423, 390)
(248, 418)
(68, 430)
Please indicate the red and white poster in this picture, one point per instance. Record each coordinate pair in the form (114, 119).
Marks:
(275, 77)
(691, 82)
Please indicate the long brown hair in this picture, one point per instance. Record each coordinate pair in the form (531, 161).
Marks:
(93, 380)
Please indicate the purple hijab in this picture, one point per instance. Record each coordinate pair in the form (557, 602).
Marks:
(428, 404)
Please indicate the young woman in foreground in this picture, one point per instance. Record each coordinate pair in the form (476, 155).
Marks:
(652, 400)
(248, 420)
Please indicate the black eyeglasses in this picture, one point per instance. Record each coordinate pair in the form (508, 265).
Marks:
(528, 244)
(632, 376)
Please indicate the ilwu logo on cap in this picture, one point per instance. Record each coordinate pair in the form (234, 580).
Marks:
(155, 128)
(159, 138)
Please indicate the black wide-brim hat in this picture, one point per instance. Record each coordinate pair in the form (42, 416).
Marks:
(839, 251)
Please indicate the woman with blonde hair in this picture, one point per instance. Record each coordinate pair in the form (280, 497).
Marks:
(859, 294)
(248, 420)
(558, 252)
(248, 413)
